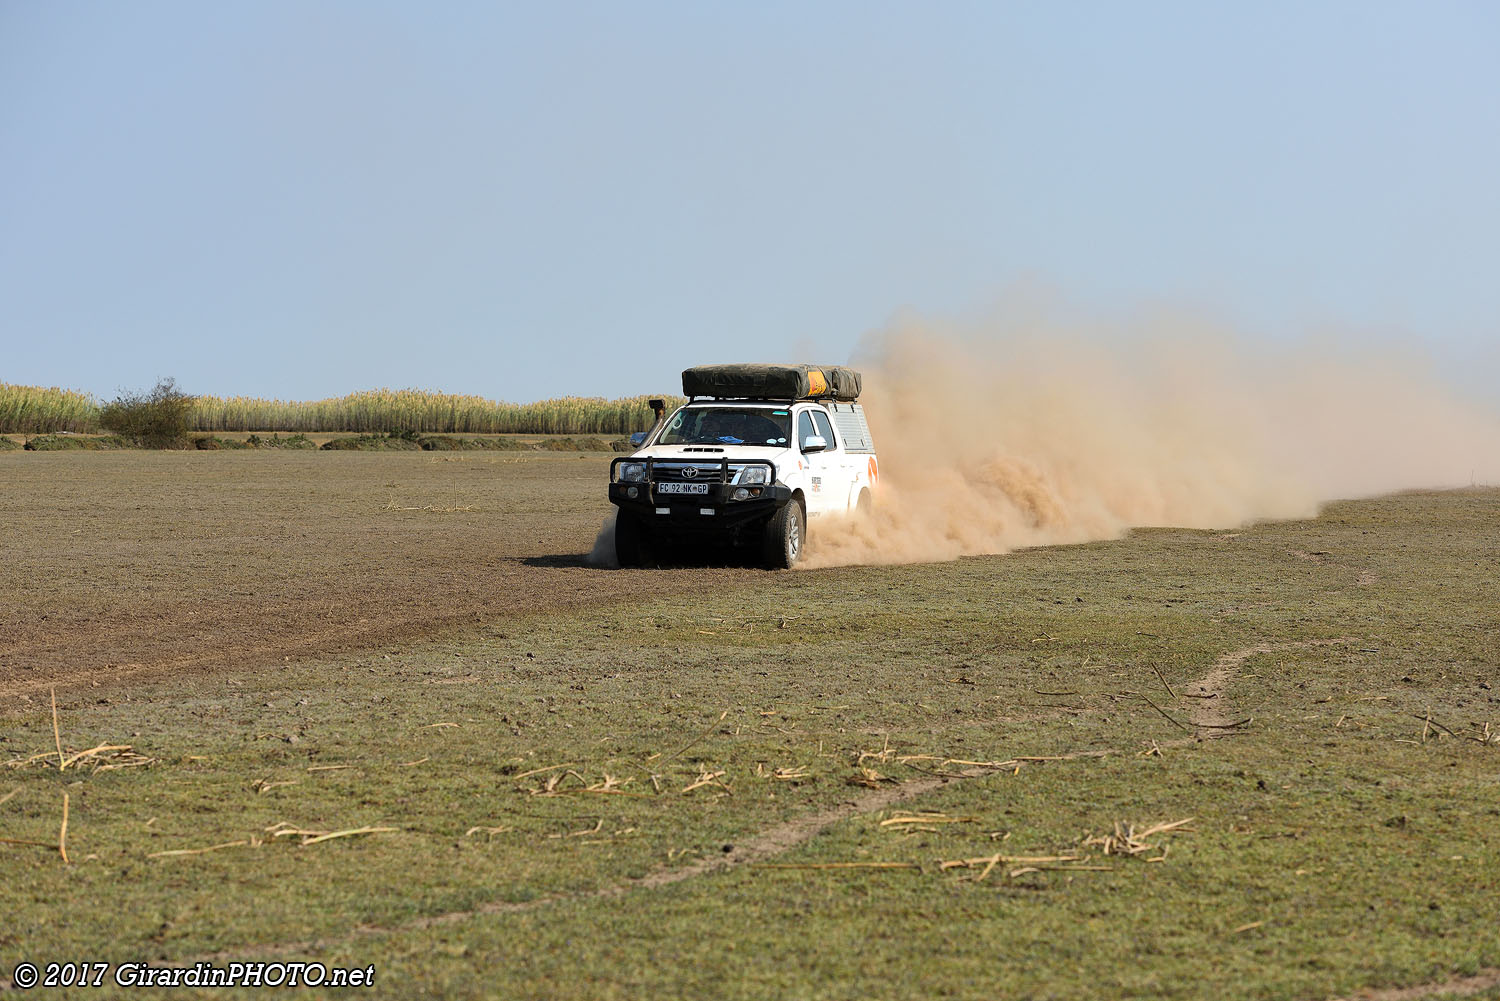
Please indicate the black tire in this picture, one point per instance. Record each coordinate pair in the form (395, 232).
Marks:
(864, 508)
(786, 535)
(632, 547)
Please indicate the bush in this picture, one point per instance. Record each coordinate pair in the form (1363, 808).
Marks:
(69, 443)
(276, 441)
(448, 443)
(573, 445)
(396, 441)
(158, 419)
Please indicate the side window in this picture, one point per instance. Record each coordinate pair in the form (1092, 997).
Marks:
(825, 429)
(805, 428)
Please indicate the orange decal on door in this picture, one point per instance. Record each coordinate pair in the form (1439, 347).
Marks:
(872, 469)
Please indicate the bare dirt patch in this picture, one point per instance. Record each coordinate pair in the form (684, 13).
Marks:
(133, 564)
(1461, 987)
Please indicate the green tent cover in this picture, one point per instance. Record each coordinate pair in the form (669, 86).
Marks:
(772, 382)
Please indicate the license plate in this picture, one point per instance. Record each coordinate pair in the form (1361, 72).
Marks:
(682, 488)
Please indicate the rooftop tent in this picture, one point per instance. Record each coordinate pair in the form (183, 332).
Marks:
(772, 382)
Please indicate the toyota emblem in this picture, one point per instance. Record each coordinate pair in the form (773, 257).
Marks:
(689, 472)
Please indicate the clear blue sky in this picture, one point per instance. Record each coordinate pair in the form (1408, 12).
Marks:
(520, 200)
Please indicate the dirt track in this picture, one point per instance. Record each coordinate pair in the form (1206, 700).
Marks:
(137, 563)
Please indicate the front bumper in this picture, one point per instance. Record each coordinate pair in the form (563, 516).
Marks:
(713, 512)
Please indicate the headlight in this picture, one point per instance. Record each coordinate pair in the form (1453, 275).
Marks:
(632, 472)
(752, 475)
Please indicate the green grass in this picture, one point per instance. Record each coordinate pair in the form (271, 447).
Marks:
(1339, 841)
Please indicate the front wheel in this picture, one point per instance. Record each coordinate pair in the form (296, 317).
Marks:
(631, 544)
(786, 534)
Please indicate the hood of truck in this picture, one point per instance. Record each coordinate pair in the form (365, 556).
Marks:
(734, 453)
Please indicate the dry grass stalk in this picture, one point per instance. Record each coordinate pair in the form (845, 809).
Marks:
(437, 509)
(598, 826)
(103, 758)
(197, 851)
(327, 768)
(608, 784)
(885, 754)
(988, 863)
(309, 837)
(8, 796)
(408, 764)
(102, 749)
(1126, 840)
(550, 785)
(1163, 677)
(57, 733)
(263, 786)
(18, 841)
(120, 759)
(62, 834)
(869, 778)
(538, 771)
(1013, 873)
(791, 774)
(351, 832)
(838, 865)
(1429, 721)
(925, 818)
(708, 778)
(709, 729)
(1253, 924)
(1165, 715)
(489, 831)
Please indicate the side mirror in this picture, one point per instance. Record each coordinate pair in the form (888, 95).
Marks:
(814, 443)
(638, 438)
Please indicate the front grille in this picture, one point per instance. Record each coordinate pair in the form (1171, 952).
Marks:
(673, 472)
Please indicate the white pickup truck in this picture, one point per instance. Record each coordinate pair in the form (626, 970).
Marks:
(757, 454)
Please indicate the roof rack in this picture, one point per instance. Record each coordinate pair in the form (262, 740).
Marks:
(771, 382)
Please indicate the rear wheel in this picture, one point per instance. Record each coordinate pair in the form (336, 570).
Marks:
(786, 533)
(631, 543)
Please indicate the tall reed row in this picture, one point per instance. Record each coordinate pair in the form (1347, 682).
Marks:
(415, 410)
(35, 410)
(31, 410)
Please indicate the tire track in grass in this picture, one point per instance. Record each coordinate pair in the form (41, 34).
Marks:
(1463, 987)
(1215, 712)
(781, 838)
(1212, 709)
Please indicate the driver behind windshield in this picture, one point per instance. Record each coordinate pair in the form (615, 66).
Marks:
(727, 427)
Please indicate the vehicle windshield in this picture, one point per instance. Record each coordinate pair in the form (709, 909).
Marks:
(728, 426)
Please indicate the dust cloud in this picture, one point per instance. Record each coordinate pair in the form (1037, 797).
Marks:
(603, 553)
(1025, 431)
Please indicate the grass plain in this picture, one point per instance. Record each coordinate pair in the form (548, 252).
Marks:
(717, 782)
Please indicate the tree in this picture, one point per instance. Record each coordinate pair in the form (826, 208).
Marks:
(158, 419)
